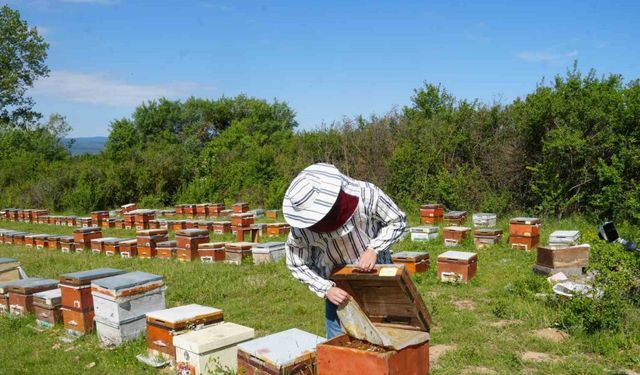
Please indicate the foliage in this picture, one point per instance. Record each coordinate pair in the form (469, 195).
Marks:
(22, 60)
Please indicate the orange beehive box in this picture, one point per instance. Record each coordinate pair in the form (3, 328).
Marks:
(129, 249)
(414, 261)
(240, 207)
(211, 252)
(455, 235)
(524, 243)
(457, 266)
(431, 210)
(166, 249)
(190, 238)
(222, 227)
(524, 227)
(278, 229)
(241, 219)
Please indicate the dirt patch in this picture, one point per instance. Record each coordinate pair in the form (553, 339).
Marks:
(474, 370)
(629, 372)
(437, 351)
(504, 323)
(464, 304)
(537, 357)
(551, 334)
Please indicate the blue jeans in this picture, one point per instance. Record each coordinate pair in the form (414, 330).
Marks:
(331, 320)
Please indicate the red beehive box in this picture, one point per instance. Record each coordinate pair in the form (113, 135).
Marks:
(190, 238)
(83, 236)
(222, 227)
(150, 237)
(53, 243)
(431, 213)
(524, 227)
(40, 240)
(128, 207)
(19, 239)
(189, 209)
(278, 229)
(180, 209)
(146, 252)
(214, 209)
(85, 222)
(177, 224)
(524, 243)
(190, 224)
(240, 207)
(129, 248)
(241, 220)
(166, 250)
(272, 214)
(97, 217)
(202, 209)
(129, 220)
(112, 246)
(154, 224)
(225, 213)
(457, 266)
(77, 301)
(46, 307)
(211, 252)
(67, 245)
(455, 235)
(413, 261)
(394, 307)
(29, 240)
(163, 325)
(236, 252)
(206, 225)
(142, 218)
(21, 293)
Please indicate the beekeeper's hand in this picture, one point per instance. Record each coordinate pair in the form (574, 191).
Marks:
(337, 296)
(367, 260)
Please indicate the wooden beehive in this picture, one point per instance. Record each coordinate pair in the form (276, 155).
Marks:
(236, 252)
(272, 214)
(46, 306)
(211, 252)
(423, 233)
(457, 266)
(392, 303)
(166, 250)
(455, 217)
(268, 252)
(485, 237)
(570, 260)
(289, 352)
(129, 249)
(414, 261)
(222, 227)
(241, 219)
(21, 293)
(9, 269)
(278, 229)
(455, 235)
(240, 207)
(163, 325)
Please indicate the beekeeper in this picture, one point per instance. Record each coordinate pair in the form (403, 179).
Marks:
(337, 220)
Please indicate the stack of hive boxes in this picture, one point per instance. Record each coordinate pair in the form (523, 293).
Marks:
(83, 236)
(164, 325)
(77, 302)
(189, 210)
(485, 237)
(524, 233)
(431, 213)
(98, 245)
(129, 220)
(142, 218)
(240, 207)
(453, 236)
(147, 241)
(129, 248)
(97, 217)
(563, 254)
(53, 243)
(67, 244)
(41, 242)
(121, 302)
(46, 306)
(126, 208)
(166, 249)
(240, 221)
(187, 241)
(21, 293)
(222, 227)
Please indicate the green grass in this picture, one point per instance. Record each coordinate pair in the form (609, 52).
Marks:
(267, 298)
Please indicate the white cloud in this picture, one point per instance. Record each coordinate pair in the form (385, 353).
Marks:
(98, 89)
(547, 56)
(44, 30)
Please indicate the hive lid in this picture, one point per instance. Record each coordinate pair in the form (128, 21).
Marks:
(283, 348)
(387, 295)
(184, 314)
(151, 232)
(104, 239)
(126, 281)
(4, 286)
(129, 241)
(242, 214)
(455, 214)
(565, 234)
(211, 245)
(212, 338)
(415, 256)
(5, 261)
(525, 220)
(53, 295)
(424, 229)
(239, 245)
(432, 206)
(112, 240)
(222, 223)
(241, 204)
(86, 230)
(166, 244)
(36, 236)
(457, 255)
(32, 285)
(66, 238)
(142, 211)
(278, 225)
(457, 229)
(487, 232)
(85, 277)
(484, 215)
(193, 232)
(269, 245)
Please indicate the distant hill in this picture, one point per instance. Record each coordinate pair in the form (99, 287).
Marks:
(87, 145)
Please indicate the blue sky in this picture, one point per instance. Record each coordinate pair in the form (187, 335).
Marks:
(327, 59)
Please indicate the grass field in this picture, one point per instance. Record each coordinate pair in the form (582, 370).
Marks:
(479, 327)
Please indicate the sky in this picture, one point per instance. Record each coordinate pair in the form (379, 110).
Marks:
(327, 59)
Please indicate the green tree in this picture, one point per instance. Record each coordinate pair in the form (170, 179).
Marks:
(22, 60)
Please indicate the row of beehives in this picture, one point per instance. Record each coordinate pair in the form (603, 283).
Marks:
(121, 307)
(434, 214)
(141, 219)
(189, 245)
